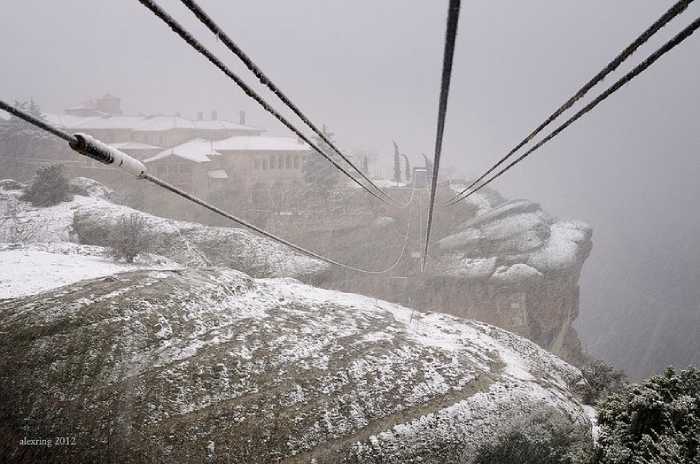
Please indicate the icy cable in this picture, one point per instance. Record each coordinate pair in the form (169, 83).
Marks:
(205, 19)
(680, 37)
(672, 12)
(38, 122)
(83, 143)
(187, 37)
(450, 38)
(93, 148)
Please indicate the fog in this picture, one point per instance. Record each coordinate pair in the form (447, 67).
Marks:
(370, 72)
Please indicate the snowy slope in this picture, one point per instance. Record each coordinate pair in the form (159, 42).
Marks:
(35, 268)
(187, 243)
(196, 365)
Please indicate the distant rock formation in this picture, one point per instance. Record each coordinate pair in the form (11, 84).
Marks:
(513, 265)
(505, 262)
(210, 365)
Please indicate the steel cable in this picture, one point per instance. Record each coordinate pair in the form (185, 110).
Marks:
(205, 19)
(194, 43)
(671, 13)
(676, 40)
(450, 39)
(72, 140)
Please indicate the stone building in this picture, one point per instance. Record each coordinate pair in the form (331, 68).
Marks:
(208, 157)
(254, 167)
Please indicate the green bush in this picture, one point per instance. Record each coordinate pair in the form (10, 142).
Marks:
(49, 187)
(654, 422)
(544, 437)
(601, 381)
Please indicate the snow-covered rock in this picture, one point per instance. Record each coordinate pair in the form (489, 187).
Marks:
(9, 185)
(516, 274)
(207, 365)
(517, 232)
(567, 247)
(184, 242)
(513, 265)
(382, 222)
(30, 269)
(465, 240)
(89, 188)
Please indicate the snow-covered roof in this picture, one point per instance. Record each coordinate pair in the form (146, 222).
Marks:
(261, 143)
(217, 174)
(134, 146)
(143, 123)
(197, 150)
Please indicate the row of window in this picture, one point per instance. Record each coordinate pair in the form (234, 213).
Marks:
(172, 169)
(278, 162)
(157, 139)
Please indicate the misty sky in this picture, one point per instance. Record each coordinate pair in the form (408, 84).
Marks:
(370, 71)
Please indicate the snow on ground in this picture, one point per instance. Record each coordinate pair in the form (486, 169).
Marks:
(188, 243)
(36, 268)
(593, 417)
(340, 374)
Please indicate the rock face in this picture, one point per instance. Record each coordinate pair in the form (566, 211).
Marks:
(211, 365)
(507, 263)
(512, 265)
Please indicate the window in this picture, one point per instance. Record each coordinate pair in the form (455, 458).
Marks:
(272, 162)
(280, 162)
(264, 163)
(257, 164)
(289, 162)
(296, 162)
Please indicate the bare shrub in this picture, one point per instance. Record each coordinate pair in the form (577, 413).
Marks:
(87, 231)
(129, 238)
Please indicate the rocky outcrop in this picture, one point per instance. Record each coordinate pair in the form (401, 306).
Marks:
(187, 243)
(211, 365)
(513, 265)
(508, 263)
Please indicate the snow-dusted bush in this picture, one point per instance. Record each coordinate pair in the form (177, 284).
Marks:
(87, 231)
(601, 380)
(654, 422)
(543, 437)
(49, 187)
(130, 237)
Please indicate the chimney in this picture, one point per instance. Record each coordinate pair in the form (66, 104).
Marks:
(200, 116)
(214, 115)
(241, 118)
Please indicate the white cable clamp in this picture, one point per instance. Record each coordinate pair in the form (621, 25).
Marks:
(91, 147)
